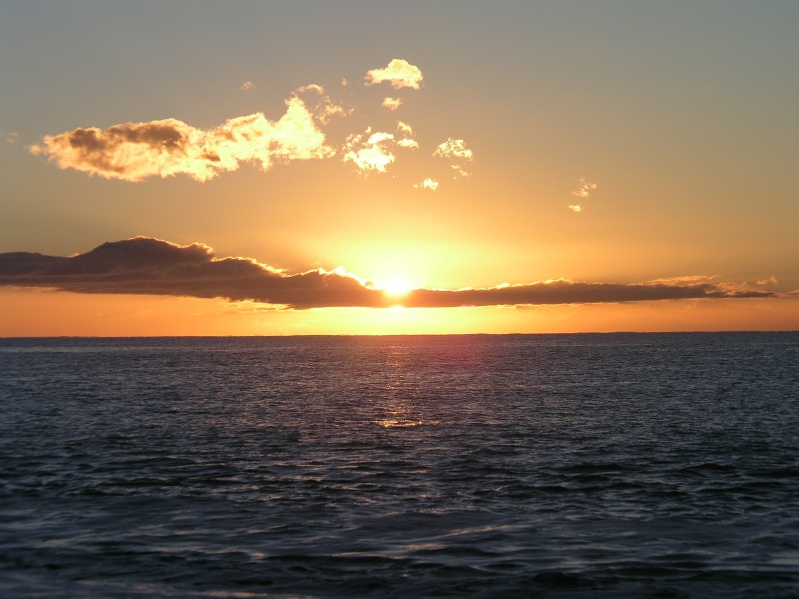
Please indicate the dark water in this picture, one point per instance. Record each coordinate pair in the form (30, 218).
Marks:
(464, 466)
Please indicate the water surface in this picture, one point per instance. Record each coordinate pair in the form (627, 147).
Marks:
(624, 465)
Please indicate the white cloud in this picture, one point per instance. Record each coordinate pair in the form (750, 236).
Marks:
(247, 85)
(576, 207)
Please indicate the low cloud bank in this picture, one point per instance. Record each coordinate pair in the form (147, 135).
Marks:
(150, 266)
(154, 267)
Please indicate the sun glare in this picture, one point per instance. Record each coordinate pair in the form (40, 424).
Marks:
(396, 288)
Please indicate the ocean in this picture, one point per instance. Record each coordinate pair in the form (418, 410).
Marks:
(588, 465)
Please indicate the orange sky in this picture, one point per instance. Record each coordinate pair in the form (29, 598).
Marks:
(256, 171)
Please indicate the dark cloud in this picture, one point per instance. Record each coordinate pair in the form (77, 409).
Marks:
(569, 292)
(154, 267)
(150, 266)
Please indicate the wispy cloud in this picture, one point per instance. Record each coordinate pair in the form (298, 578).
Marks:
(457, 153)
(585, 189)
(399, 73)
(392, 103)
(247, 85)
(428, 183)
(150, 266)
(369, 151)
(321, 105)
(582, 192)
(11, 138)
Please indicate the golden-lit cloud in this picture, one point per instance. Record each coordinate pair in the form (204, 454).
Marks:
(369, 151)
(135, 151)
(405, 132)
(372, 151)
(392, 103)
(585, 189)
(11, 138)
(399, 73)
(312, 87)
(322, 107)
(164, 148)
(247, 85)
(582, 192)
(407, 143)
(456, 152)
(428, 183)
(404, 128)
(150, 266)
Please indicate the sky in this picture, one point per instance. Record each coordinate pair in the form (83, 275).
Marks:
(316, 167)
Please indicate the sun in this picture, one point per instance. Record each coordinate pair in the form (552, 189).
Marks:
(396, 288)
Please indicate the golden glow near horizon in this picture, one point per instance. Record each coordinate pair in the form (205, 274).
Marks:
(396, 287)
(292, 192)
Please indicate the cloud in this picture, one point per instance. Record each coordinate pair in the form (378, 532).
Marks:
(154, 267)
(428, 183)
(689, 279)
(392, 103)
(247, 85)
(582, 192)
(164, 148)
(312, 87)
(399, 73)
(407, 143)
(369, 153)
(457, 153)
(11, 138)
(147, 266)
(404, 128)
(323, 107)
(586, 187)
(135, 151)
(405, 131)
